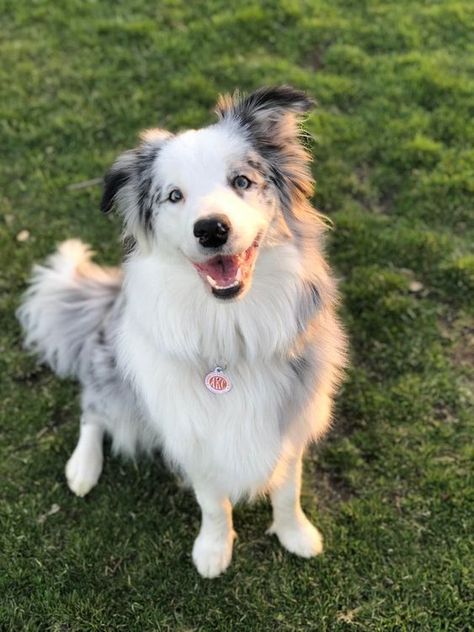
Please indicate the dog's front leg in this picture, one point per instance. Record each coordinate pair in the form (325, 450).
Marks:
(212, 550)
(294, 530)
(85, 465)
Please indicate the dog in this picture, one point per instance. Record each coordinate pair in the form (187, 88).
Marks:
(217, 342)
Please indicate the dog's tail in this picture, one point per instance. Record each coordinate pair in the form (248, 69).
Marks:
(65, 305)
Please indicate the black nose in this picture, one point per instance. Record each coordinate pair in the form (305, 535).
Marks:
(212, 232)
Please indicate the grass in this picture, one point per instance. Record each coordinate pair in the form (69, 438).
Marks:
(391, 487)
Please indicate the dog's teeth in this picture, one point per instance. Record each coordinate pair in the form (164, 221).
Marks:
(225, 287)
(211, 282)
(238, 276)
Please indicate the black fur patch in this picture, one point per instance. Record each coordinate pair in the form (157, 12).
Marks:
(265, 98)
(258, 166)
(315, 298)
(310, 303)
(129, 245)
(278, 180)
(300, 366)
(114, 180)
(303, 367)
(146, 157)
(145, 200)
(133, 168)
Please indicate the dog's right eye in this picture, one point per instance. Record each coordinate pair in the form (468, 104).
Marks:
(175, 196)
(241, 182)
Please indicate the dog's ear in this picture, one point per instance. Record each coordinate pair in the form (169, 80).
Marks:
(116, 178)
(131, 186)
(132, 169)
(269, 118)
(267, 110)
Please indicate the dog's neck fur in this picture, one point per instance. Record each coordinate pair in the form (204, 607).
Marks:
(163, 292)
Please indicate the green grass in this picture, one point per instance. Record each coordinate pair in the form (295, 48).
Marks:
(392, 486)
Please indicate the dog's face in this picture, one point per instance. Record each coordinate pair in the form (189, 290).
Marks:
(216, 195)
(211, 205)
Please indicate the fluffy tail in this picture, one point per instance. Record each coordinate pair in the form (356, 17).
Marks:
(65, 306)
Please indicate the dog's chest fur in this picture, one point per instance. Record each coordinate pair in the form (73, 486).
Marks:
(173, 333)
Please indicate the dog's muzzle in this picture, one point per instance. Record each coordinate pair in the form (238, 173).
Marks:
(227, 276)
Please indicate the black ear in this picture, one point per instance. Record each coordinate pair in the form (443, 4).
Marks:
(271, 102)
(114, 180)
(132, 168)
(269, 119)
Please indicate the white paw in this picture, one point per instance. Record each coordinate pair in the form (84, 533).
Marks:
(83, 470)
(299, 537)
(212, 556)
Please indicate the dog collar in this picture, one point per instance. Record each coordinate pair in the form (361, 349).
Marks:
(217, 381)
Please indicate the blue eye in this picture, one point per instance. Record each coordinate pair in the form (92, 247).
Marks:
(175, 196)
(241, 183)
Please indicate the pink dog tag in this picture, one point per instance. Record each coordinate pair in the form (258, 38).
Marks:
(217, 382)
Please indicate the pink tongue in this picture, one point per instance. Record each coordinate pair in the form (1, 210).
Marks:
(222, 269)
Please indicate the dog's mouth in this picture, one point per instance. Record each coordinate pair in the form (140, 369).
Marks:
(228, 275)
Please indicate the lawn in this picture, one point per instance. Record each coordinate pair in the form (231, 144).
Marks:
(392, 486)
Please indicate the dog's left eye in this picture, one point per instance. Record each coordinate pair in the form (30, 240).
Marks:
(175, 196)
(241, 182)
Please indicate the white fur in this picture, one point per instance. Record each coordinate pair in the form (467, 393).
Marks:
(166, 331)
(189, 333)
(84, 468)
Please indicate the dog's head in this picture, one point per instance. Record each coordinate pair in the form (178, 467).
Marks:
(218, 194)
